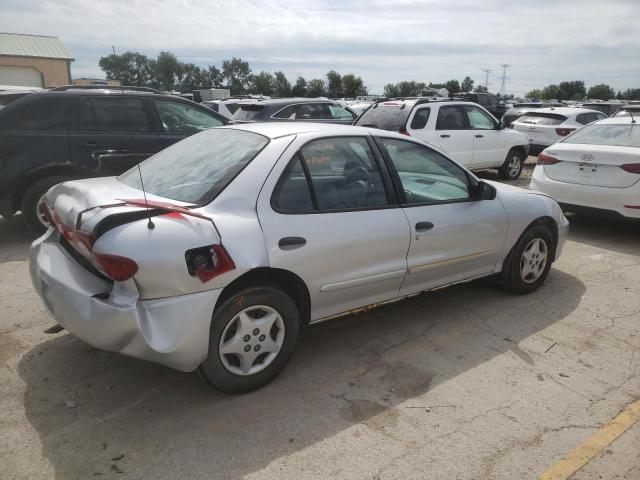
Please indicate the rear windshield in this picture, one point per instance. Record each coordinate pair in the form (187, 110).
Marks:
(248, 112)
(198, 168)
(386, 116)
(542, 119)
(607, 134)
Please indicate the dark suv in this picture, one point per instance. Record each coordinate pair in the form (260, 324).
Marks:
(50, 137)
(488, 100)
(291, 110)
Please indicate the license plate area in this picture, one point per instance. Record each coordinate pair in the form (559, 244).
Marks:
(587, 169)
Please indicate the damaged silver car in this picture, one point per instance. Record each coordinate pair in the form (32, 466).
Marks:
(218, 250)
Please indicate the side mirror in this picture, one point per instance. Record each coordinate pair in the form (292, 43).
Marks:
(501, 125)
(484, 191)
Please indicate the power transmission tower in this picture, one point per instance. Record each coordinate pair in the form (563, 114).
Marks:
(486, 78)
(504, 78)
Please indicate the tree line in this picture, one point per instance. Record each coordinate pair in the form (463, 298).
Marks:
(166, 72)
(576, 90)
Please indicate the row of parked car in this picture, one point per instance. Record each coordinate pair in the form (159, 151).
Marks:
(74, 132)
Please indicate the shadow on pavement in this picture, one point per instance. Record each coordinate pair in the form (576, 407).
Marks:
(89, 406)
(607, 232)
(15, 239)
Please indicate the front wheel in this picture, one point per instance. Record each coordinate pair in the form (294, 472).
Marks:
(512, 166)
(252, 336)
(531, 260)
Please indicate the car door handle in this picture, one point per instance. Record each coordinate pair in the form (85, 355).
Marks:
(479, 136)
(423, 226)
(290, 243)
(445, 136)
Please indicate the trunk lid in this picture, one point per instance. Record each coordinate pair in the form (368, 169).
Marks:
(593, 165)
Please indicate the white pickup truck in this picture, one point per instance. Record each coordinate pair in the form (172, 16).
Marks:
(464, 130)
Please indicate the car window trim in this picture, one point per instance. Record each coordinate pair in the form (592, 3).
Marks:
(402, 198)
(392, 200)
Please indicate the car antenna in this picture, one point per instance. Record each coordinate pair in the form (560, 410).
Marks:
(150, 224)
(633, 120)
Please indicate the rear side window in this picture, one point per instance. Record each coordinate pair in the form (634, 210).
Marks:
(248, 112)
(542, 119)
(340, 173)
(386, 116)
(287, 113)
(198, 168)
(48, 114)
(112, 114)
(585, 118)
(313, 111)
(607, 134)
(451, 118)
(420, 119)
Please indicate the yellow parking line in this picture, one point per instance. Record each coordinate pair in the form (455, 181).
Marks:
(582, 454)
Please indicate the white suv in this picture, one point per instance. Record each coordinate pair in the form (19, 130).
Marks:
(465, 130)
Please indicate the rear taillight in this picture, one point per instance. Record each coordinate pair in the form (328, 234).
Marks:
(631, 167)
(208, 262)
(563, 132)
(115, 267)
(403, 131)
(546, 159)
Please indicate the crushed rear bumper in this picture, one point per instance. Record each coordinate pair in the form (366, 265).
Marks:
(171, 331)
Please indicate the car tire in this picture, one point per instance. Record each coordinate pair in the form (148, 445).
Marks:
(530, 260)
(241, 327)
(512, 166)
(30, 199)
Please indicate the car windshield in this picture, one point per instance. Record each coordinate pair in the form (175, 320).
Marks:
(248, 112)
(542, 119)
(607, 134)
(386, 116)
(198, 168)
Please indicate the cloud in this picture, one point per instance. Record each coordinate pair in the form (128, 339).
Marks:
(545, 41)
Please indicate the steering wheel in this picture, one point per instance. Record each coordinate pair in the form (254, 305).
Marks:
(358, 174)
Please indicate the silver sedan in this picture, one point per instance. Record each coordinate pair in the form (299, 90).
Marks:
(243, 235)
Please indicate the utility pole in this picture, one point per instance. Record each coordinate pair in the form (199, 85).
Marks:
(504, 78)
(486, 78)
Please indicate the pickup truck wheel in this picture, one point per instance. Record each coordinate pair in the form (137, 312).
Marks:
(30, 199)
(253, 335)
(512, 166)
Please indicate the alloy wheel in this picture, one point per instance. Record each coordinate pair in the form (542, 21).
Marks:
(533, 260)
(514, 166)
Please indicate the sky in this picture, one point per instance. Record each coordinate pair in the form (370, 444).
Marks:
(544, 41)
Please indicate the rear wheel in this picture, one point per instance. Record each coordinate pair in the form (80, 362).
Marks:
(512, 166)
(30, 199)
(531, 260)
(252, 336)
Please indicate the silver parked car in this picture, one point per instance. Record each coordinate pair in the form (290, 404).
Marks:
(249, 233)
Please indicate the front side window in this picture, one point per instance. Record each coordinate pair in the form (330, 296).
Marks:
(451, 118)
(340, 113)
(181, 118)
(478, 119)
(198, 168)
(420, 119)
(341, 172)
(426, 176)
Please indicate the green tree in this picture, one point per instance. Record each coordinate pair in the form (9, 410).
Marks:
(632, 94)
(535, 93)
(131, 68)
(167, 70)
(480, 89)
(193, 78)
(262, 83)
(281, 86)
(404, 89)
(552, 92)
(453, 86)
(573, 90)
(467, 85)
(334, 84)
(212, 77)
(601, 91)
(316, 88)
(352, 86)
(237, 74)
(300, 88)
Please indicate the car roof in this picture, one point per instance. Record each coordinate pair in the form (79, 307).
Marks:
(94, 92)
(283, 101)
(566, 111)
(282, 129)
